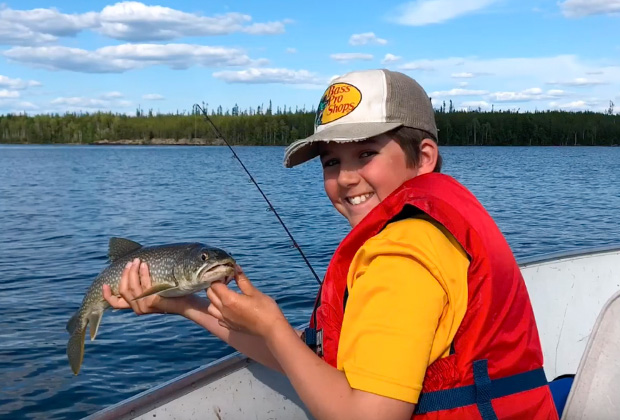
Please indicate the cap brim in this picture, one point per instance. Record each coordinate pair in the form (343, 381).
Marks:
(305, 149)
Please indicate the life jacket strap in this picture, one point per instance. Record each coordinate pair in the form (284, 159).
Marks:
(481, 392)
(313, 339)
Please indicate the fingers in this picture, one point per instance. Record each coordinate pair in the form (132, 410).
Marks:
(135, 287)
(115, 301)
(217, 314)
(220, 296)
(213, 297)
(243, 282)
(145, 276)
(131, 284)
(216, 292)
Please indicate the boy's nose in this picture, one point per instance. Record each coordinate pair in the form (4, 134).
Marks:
(348, 177)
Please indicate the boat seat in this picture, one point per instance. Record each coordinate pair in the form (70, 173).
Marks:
(595, 393)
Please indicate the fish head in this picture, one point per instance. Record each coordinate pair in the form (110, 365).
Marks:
(202, 266)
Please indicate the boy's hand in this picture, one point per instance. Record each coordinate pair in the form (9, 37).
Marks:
(250, 311)
(135, 279)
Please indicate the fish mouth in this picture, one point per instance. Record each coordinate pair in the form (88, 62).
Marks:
(223, 271)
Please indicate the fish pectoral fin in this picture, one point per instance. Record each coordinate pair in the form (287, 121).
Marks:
(158, 288)
(73, 322)
(94, 319)
(119, 247)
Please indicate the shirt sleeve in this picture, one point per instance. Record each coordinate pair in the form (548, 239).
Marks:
(397, 301)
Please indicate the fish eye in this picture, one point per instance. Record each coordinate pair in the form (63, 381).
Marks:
(204, 256)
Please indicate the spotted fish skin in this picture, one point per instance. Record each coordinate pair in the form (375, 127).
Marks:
(175, 270)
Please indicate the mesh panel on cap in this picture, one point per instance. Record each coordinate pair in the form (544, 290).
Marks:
(408, 103)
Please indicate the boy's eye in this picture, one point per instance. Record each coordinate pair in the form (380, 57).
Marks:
(368, 153)
(330, 162)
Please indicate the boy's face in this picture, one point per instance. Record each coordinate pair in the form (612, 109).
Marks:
(359, 175)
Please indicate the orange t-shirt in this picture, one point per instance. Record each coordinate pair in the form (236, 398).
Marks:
(407, 297)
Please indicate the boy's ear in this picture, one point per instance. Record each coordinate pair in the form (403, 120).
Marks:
(428, 156)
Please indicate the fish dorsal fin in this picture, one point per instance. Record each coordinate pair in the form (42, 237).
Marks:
(119, 247)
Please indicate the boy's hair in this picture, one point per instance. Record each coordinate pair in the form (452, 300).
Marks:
(409, 139)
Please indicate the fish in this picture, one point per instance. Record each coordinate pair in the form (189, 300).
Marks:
(178, 269)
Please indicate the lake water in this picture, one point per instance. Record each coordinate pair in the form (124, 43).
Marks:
(59, 205)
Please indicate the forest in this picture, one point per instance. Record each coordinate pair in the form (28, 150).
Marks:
(281, 126)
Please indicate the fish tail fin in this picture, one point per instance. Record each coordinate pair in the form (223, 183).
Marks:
(75, 349)
(94, 319)
(72, 324)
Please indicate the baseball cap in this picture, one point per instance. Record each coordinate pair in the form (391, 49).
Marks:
(364, 104)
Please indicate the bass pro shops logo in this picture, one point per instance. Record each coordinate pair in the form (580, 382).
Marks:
(339, 100)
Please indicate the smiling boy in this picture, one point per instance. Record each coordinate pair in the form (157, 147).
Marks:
(423, 307)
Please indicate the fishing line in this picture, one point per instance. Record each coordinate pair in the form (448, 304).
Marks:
(295, 244)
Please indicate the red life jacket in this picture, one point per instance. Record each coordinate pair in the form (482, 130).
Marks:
(495, 366)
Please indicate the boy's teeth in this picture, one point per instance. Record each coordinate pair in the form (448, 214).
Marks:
(359, 199)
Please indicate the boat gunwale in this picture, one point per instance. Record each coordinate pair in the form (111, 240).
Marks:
(567, 255)
(166, 391)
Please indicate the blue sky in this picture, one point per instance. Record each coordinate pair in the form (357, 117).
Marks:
(503, 54)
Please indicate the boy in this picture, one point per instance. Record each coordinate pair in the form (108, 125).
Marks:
(423, 307)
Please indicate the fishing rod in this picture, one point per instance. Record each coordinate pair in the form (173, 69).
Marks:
(295, 244)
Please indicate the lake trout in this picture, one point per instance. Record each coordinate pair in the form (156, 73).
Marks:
(175, 269)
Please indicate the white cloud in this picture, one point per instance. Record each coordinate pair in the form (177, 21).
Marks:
(121, 58)
(79, 103)
(291, 50)
(12, 106)
(50, 21)
(458, 92)
(135, 21)
(270, 75)
(579, 105)
(424, 65)
(153, 97)
(516, 75)
(468, 75)
(127, 21)
(4, 93)
(462, 75)
(426, 12)
(131, 21)
(366, 38)
(537, 70)
(346, 57)
(578, 81)
(40, 26)
(511, 97)
(526, 95)
(112, 95)
(581, 8)
(26, 105)
(556, 92)
(17, 84)
(390, 58)
(475, 105)
(15, 34)
(269, 28)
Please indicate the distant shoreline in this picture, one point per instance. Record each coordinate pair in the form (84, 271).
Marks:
(220, 142)
(137, 142)
(455, 128)
(160, 142)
